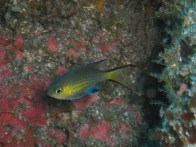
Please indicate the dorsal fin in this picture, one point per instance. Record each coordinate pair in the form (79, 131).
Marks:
(96, 64)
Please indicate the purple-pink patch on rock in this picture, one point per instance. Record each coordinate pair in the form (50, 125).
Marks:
(52, 44)
(98, 131)
(107, 47)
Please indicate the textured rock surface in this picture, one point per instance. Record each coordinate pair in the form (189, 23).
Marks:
(43, 39)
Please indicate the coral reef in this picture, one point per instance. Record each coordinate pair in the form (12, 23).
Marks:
(179, 74)
(43, 39)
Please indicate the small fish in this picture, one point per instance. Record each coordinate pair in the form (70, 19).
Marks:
(83, 81)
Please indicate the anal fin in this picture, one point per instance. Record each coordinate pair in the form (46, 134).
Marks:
(92, 90)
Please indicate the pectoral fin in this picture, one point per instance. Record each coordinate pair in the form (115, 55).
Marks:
(92, 90)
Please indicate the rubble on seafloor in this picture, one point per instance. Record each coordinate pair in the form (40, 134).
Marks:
(40, 40)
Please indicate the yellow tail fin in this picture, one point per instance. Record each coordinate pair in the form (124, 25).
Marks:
(120, 75)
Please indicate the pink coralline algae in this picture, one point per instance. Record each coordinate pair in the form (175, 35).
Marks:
(98, 131)
(35, 116)
(3, 41)
(29, 68)
(23, 107)
(118, 101)
(4, 58)
(8, 118)
(182, 89)
(84, 102)
(73, 52)
(15, 132)
(6, 49)
(7, 105)
(11, 124)
(18, 45)
(23, 112)
(52, 44)
(5, 73)
(107, 47)
(75, 47)
(61, 70)
(124, 130)
(58, 135)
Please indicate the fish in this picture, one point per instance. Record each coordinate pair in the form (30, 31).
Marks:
(84, 80)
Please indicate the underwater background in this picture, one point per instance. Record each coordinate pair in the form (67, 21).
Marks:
(41, 40)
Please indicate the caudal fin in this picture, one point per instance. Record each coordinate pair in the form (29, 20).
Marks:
(120, 75)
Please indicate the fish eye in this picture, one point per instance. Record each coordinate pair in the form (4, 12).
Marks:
(58, 90)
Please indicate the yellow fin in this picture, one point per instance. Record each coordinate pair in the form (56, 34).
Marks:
(119, 75)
